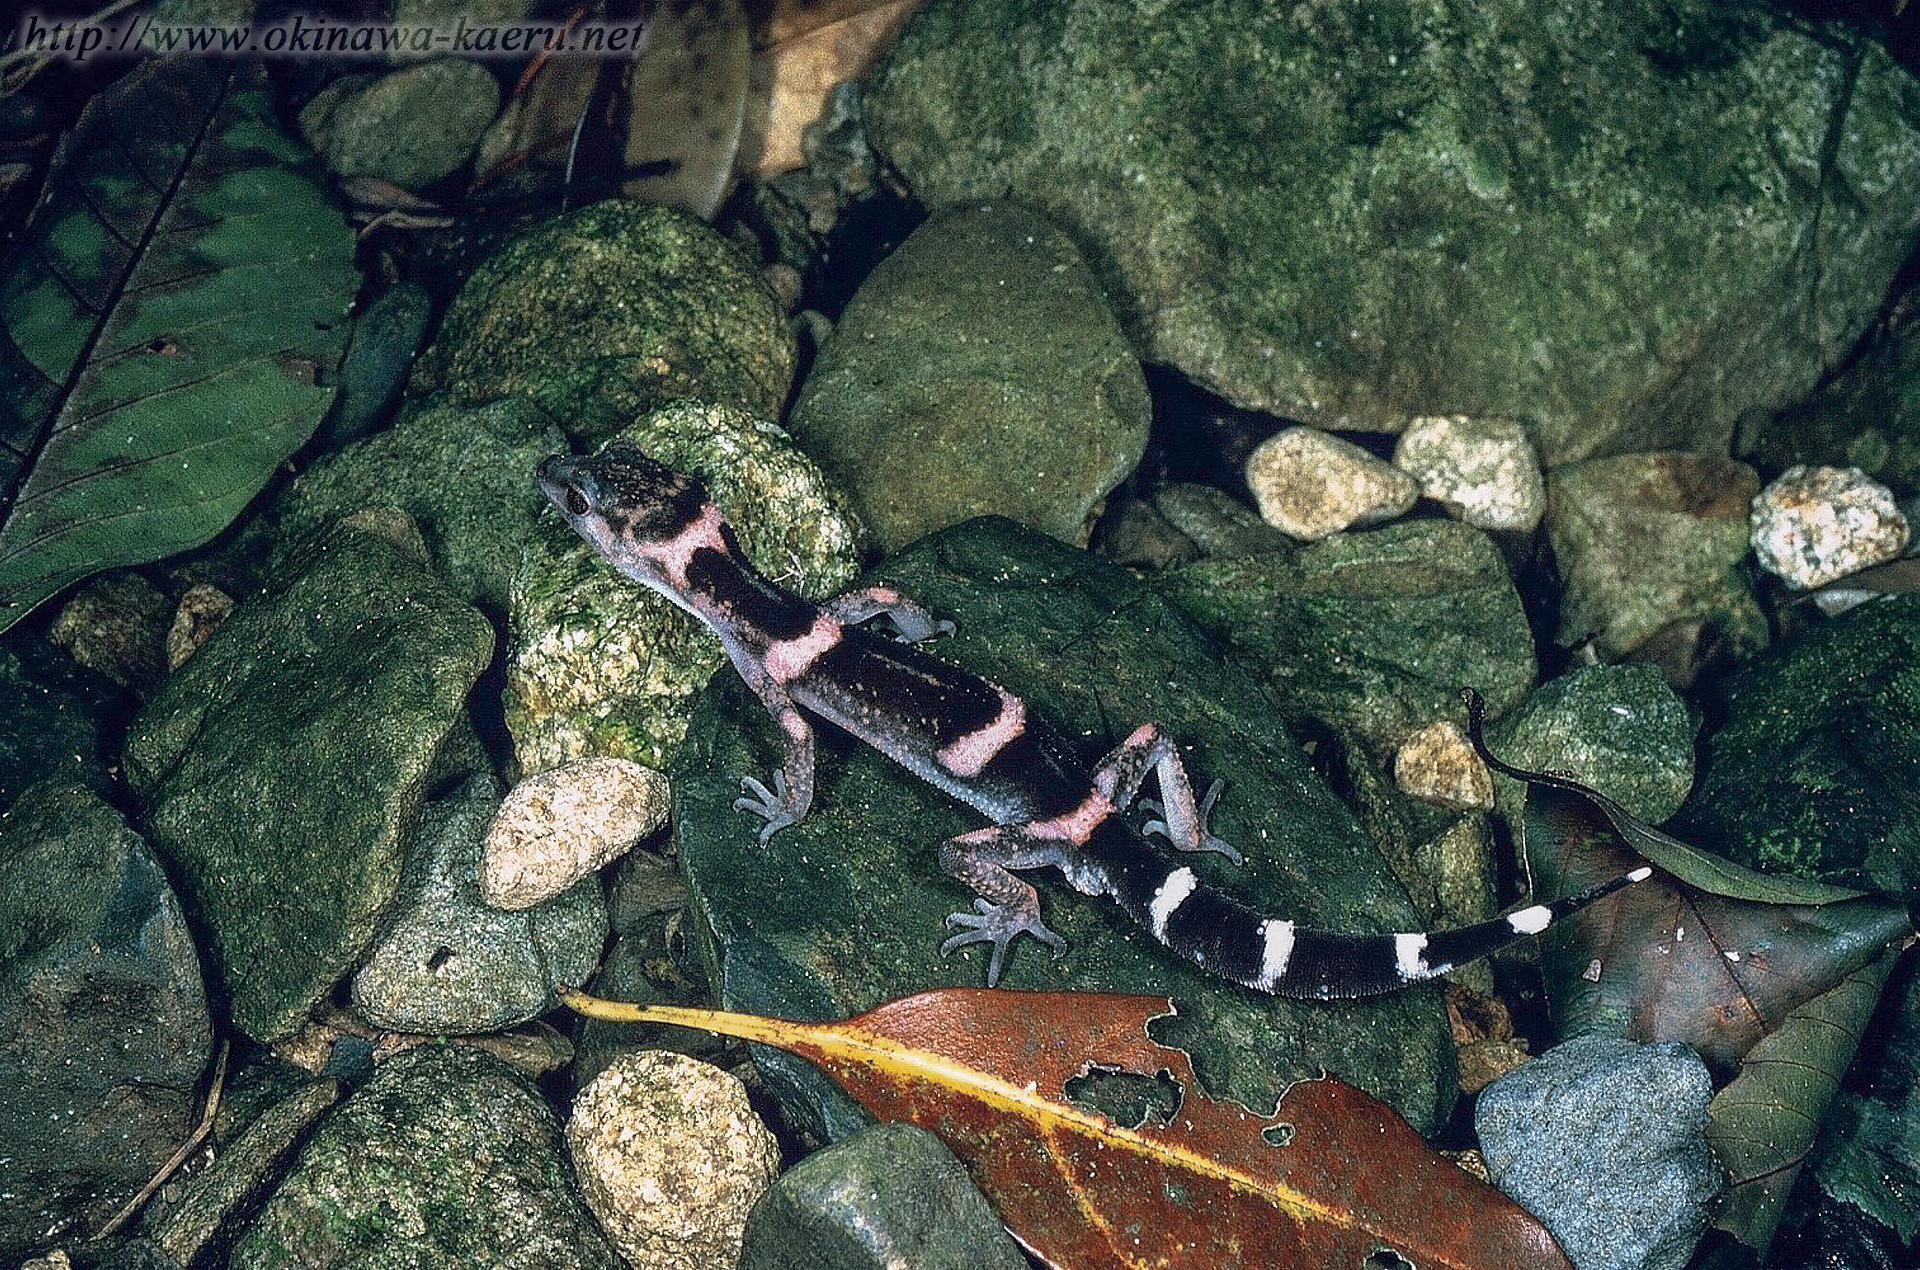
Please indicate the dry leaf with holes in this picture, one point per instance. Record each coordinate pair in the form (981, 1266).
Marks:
(1332, 1177)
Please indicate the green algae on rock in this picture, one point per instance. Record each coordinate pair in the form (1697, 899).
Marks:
(1616, 729)
(444, 1157)
(448, 963)
(463, 473)
(891, 1194)
(106, 1034)
(978, 369)
(283, 766)
(1653, 543)
(410, 126)
(1868, 417)
(1815, 770)
(607, 311)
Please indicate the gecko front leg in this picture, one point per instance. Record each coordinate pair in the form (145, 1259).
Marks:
(913, 622)
(792, 793)
(787, 801)
(1007, 907)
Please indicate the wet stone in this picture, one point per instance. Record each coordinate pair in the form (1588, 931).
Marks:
(116, 623)
(1602, 1140)
(978, 370)
(410, 126)
(1373, 632)
(449, 963)
(243, 1169)
(1617, 729)
(282, 768)
(444, 1157)
(1597, 219)
(558, 826)
(1483, 471)
(1437, 763)
(891, 1195)
(602, 313)
(1814, 525)
(53, 718)
(1645, 541)
(457, 471)
(1310, 484)
(1814, 767)
(104, 1031)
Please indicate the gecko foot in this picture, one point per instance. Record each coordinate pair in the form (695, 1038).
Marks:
(918, 629)
(769, 804)
(1207, 841)
(910, 623)
(999, 924)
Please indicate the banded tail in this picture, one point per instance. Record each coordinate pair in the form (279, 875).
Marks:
(1224, 936)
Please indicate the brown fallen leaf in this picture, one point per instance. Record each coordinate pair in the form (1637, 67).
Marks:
(536, 125)
(714, 89)
(1331, 1178)
(1706, 951)
(662, 125)
(807, 50)
(1669, 961)
(674, 117)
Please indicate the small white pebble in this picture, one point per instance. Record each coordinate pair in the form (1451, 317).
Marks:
(1483, 471)
(1311, 484)
(1815, 524)
(556, 827)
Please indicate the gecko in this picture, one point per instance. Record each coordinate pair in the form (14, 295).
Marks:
(984, 746)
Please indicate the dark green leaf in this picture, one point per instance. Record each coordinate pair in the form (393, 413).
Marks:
(1699, 869)
(184, 285)
(1763, 1124)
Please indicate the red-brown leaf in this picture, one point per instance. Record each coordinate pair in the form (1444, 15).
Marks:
(1333, 1177)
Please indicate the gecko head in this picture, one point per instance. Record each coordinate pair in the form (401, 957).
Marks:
(626, 504)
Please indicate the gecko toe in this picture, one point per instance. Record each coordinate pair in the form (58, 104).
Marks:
(768, 804)
(999, 925)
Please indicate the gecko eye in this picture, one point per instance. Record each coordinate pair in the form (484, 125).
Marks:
(576, 501)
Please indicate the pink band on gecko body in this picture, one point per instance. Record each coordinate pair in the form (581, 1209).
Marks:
(970, 755)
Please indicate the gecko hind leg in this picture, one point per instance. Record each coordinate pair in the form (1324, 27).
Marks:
(1204, 840)
(1007, 907)
(1179, 818)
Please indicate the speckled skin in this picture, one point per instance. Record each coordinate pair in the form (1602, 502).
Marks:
(980, 743)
